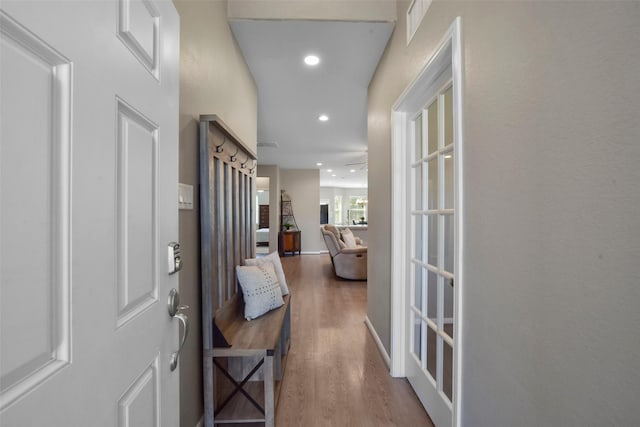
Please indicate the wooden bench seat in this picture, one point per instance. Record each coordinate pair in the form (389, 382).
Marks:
(263, 342)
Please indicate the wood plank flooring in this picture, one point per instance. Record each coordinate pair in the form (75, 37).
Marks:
(335, 375)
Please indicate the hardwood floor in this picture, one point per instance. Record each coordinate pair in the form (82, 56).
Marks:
(335, 375)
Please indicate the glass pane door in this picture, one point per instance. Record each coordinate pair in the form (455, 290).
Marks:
(431, 300)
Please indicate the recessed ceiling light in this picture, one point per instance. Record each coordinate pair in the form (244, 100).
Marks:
(311, 60)
(333, 174)
(352, 170)
(323, 117)
(329, 170)
(319, 164)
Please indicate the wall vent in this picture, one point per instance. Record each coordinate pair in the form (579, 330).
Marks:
(415, 13)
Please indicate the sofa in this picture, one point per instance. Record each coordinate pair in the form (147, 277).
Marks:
(348, 262)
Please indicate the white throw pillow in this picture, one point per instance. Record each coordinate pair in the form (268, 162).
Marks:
(260, 289)
(274, 259)
(349, 240)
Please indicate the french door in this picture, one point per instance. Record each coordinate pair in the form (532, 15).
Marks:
(431, 227)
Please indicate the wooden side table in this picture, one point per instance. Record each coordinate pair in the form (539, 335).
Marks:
(289, 241)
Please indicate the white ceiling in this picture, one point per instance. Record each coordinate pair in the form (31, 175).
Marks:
(291, 94)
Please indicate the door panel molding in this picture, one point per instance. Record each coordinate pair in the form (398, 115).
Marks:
(139, 30)
(140, 403)
(35, 267)
(137, 197)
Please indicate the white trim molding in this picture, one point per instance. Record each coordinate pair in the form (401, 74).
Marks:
(376, 338)
(447, 59)
(457, 56)
(398, 248)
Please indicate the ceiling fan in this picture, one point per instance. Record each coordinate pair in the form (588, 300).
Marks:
(364, 165)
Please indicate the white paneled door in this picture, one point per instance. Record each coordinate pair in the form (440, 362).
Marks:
(88, 174)
(430, 297)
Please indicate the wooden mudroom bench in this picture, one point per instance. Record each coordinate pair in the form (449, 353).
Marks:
(258, 346)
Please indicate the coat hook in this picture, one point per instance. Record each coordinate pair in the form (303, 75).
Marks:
(244, 164)
(219, 147)
(233, 157)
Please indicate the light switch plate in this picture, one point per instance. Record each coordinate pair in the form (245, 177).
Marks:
(185, 196)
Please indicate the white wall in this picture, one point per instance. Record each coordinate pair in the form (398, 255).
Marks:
(263, 198)
(550, 314)
(214, 79)
(330, 193)
(303, 186)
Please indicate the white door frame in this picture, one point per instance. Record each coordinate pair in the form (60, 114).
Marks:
(448, 55)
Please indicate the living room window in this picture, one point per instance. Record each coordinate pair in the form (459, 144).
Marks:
(337, 210)
(357, 212)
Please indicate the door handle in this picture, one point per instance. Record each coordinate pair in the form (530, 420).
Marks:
(173, 364)
(173, 304)
(174, 308)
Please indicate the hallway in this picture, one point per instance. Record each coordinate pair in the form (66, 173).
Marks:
(335, 375)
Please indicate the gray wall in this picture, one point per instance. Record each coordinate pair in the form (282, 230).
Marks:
(214, 79)
(303, 185)
(551, 318)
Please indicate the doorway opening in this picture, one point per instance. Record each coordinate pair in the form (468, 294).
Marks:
(262, 216)
(427, 232)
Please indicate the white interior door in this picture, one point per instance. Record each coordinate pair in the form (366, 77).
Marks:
(88, 174)
(430, 296)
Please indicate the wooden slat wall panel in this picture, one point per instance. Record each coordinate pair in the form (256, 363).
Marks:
(250, 213)
(227, 220)
(237, 243)
(219, 216)
(228, 235)
(207, 239)
(241, 218)
(227, 211)
(244, 223)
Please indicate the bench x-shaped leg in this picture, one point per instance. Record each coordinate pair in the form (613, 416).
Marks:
(239, 386)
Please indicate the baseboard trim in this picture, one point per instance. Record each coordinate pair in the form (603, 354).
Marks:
(310, 253)
(376, 338)
(201, 422)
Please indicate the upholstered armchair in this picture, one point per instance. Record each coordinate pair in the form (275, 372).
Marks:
(348, 263)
